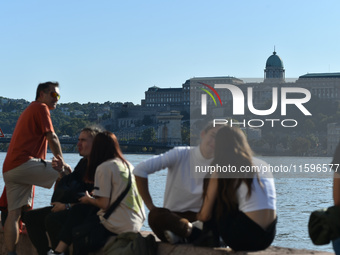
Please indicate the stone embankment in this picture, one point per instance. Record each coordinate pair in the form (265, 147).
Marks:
(25, 247)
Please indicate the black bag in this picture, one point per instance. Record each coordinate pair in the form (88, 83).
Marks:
(91, 236)
(71, 187)
(324, 225)
(68, 190)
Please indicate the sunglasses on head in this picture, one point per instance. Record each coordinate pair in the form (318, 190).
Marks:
(55, 95)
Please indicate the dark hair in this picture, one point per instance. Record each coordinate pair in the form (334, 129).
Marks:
(105, 146)
(231, 148)
(45, 88)
(209, 125)
(92, 130)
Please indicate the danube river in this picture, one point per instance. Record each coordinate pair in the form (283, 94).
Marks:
(297, 195)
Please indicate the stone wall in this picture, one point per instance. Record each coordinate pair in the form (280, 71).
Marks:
(25, 247)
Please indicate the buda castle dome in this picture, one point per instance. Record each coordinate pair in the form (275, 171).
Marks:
(274, 61)
(274, 70)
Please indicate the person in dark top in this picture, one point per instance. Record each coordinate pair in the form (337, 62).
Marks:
(336, 192)
(51, 219)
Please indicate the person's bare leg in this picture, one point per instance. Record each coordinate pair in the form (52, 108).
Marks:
(11, 229)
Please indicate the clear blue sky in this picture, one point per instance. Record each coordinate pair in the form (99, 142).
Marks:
(114, 50)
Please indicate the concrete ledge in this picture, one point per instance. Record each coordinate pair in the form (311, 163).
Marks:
(168, 249)
(25, 247)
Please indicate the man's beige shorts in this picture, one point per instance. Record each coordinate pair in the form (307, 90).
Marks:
(19, 181)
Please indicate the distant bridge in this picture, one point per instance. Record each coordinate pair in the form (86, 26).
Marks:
(62, 141)
(126, 145)
(5, 140)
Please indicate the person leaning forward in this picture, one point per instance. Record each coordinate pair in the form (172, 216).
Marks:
(50, 219)
(25, 163)
(183, 193)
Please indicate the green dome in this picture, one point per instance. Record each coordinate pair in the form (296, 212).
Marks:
(274, 61)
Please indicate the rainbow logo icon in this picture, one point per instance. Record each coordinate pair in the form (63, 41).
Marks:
(208, 92)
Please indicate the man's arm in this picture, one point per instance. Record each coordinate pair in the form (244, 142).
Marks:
(143, 189)
(54, 144)
(209, 200)
(156, 163)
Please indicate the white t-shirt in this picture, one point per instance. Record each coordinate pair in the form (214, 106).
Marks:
(110, 181)
(262, 197)
(183, 192)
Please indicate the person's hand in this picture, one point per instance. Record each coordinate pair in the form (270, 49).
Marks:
(57, 207)
(58, 163)
(86, 199)
(67, 169)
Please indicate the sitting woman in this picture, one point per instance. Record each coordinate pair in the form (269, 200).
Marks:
(110, 173)
(239, 206)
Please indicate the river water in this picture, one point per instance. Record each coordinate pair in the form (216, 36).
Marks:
(297, 197)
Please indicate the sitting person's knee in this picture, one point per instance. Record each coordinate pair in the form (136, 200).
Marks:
(158, 213)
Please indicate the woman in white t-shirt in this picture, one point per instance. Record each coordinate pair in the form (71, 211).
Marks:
(109, 171)
(240, 200)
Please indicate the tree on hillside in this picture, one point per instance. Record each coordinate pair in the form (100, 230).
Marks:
(300, 146)
(149, 135)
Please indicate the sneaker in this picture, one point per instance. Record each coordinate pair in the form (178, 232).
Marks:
(198, 224)
(173, 238)
(51, 252)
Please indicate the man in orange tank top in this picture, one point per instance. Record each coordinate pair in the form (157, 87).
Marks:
(25, 163)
